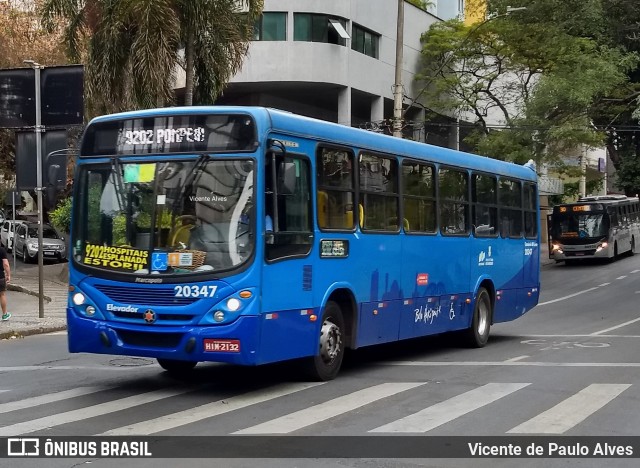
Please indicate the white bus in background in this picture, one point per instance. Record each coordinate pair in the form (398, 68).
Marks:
(595, 227)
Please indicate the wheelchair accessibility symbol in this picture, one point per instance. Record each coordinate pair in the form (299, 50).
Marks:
(159, 261)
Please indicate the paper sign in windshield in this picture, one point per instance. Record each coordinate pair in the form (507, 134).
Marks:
(139, 173)
(116, 258)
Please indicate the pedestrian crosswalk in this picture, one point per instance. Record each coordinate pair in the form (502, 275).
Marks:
(540, 411)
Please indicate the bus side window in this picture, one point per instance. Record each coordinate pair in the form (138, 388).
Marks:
(336, 193)
(288, 207)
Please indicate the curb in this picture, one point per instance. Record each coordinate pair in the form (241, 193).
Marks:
(13, 287)
(14, 334)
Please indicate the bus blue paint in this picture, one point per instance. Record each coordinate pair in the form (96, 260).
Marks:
(390, 283)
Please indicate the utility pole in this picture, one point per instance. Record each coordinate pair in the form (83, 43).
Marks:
(39, 129)
(583, 172)
(397, 87)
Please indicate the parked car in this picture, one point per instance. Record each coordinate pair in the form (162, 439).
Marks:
(6, 234)
(53, 245)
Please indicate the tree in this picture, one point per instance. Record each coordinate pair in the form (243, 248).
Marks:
(619, 112)
(538, 72)
(131, 47)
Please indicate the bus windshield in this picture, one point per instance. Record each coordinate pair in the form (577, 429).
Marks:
(200, 210)
(580, 225)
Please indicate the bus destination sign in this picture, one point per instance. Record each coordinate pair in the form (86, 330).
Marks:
(181, 133)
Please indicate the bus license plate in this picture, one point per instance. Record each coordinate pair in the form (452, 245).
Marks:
(225, 346)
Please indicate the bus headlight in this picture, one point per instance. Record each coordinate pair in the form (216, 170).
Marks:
(78, 299)
(90, 310)
(556, 248)
(602, 246)
(218, 316)
(233, 304)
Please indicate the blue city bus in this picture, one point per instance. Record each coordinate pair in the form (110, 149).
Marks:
(247, 235)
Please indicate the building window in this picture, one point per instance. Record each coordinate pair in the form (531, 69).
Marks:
(364, 41)
(271, 27)
(319, 28)
(461, 11)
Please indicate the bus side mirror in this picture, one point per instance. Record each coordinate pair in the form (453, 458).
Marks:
(287, 179)
(52, 175)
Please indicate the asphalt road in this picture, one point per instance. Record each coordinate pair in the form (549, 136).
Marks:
(570, 367)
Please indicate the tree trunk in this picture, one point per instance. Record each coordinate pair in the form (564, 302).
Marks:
(189, 51)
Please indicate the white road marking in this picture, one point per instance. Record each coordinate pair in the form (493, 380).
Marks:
(67, 368)
(635, 271)
(448, 410)
(514, 359)
(322, 412)
(570, 296)
(621, 277)
(571, 411)
(508, 364)
(603, 284)
(577, 336)
(89, 412)
(209, 410)
(48, 398)
(599, 333)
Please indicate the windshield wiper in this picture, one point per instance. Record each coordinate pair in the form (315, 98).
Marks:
(116, 170)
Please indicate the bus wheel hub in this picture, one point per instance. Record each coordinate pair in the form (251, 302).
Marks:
(330, 341)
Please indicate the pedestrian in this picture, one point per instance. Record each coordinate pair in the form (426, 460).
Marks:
(5, 277)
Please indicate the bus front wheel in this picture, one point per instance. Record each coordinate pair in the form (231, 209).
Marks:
(478, 335)
(174, 366)
(326, 364)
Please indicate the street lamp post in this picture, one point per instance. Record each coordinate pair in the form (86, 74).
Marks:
(38, 129)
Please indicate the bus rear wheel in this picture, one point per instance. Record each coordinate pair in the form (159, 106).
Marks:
(478, 334)
(326, 364)
(174, 366)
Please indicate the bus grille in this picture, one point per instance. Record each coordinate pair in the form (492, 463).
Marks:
(160, 316)
(151, 340)
(144, 296)
(580, 253)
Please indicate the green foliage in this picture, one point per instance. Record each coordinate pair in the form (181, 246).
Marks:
(60, 217)
(131, 48)
(422, 4)
(628, 175)
(539, 71)
(572, 191)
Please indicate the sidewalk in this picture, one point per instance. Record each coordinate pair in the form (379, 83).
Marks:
(22, 302)
(22, 299)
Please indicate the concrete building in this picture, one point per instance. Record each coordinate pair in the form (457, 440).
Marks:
(334, 60)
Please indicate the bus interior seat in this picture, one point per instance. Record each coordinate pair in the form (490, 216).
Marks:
(323, 201)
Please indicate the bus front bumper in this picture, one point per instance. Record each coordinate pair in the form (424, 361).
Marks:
(235, 343)
(579, 252)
